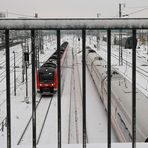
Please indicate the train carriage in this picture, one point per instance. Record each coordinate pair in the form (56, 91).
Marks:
(46, 77)
(121, 99)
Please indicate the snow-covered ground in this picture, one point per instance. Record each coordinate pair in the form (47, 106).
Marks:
(21, 111)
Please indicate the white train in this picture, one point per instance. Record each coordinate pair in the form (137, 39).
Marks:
(121, 99)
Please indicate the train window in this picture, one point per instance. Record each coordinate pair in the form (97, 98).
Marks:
(53, 57)
(87, 47)
(52, 61)
(91, 51)
(46, 77)
(100, 58)
(144, 65)
(115, 72)
(98, 65)
(50, 65)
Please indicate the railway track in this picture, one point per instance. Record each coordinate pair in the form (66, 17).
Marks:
(3, 77)
(18, 79)
(73, 134)
(75, 111)
(142, 73)
(42, 110)
(126, 62)
(78, 69)
(2, 45)
(140, 58)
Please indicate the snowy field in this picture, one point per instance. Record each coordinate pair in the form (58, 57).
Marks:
(71, 101)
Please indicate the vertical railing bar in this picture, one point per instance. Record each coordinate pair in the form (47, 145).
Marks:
(33, 90)
(109, 85)
(59, 89)
(134, 90)
(8, 89)
(84, 85)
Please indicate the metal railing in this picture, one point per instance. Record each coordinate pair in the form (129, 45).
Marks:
(72, 24)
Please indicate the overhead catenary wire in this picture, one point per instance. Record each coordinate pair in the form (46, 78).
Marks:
(18, 14)
(135, 7)
(133, 12)
(137, 11)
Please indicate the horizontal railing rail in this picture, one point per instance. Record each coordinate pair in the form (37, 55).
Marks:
(74, 24)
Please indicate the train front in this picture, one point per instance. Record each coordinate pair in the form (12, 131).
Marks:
(47, 80)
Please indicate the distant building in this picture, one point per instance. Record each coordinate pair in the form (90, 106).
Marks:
(2, 15)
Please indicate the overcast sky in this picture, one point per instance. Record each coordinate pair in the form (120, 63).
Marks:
(74, 8)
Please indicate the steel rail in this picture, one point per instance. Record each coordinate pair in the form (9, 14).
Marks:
(3, 72)
(40, 133)
(69, 127)
(80, 88)
(75, 105)
(25, 129)
(125, 52)
(130, 65)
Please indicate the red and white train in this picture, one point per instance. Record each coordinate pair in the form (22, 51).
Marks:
(47, 77)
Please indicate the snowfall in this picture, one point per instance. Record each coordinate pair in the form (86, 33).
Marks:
(21, 106)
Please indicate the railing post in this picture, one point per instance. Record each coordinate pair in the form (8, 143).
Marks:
(59, 89)
(33, 90)
(84, 85)
(8, 89)
(14, 75)
(109, 85)
(134, 90)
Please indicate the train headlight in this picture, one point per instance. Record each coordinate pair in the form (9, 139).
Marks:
(41, 84)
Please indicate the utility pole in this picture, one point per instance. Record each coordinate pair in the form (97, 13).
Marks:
(98, 15)
(98, 34)
(25, 48)
(120, 37)
(41, 41)
(23, 65)
(38, 43)
(120, 12)
(14, 75)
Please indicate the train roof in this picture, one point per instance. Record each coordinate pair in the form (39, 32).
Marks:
(51, 63)
(122, 93)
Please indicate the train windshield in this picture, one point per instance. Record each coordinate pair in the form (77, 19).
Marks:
(46, 77)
